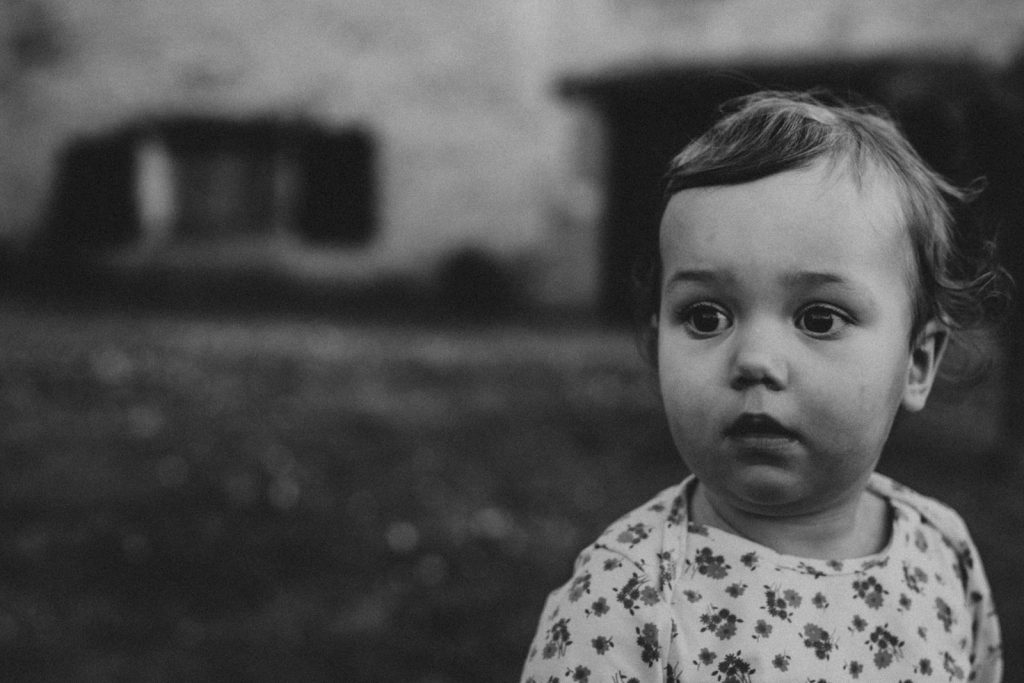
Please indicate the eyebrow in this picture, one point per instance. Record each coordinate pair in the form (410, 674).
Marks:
(697, 275)
(809, 278)
(803, 278)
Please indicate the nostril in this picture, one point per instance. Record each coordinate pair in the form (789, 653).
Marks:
(759, 371)
(746, 382)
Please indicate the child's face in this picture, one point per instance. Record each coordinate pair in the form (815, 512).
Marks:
(784, 336)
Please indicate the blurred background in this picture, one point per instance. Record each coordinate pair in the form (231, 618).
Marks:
(315, 354)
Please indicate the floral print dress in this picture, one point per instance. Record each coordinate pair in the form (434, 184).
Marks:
(657, 598)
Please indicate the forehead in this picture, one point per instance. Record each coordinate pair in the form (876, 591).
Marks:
(820, 217)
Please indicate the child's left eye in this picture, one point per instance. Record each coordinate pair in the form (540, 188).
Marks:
(820, 320)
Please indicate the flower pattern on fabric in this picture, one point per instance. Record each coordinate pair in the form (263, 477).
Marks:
(870, 591)
(635, 592)
(706, 563)
(734, 669)
(658, 598)
(634, 534)
(647, 639)
(721, 622)
(736, 590)
(602, 644)
(599, 608)
(776, 605)
(817, 639)
(580, 587)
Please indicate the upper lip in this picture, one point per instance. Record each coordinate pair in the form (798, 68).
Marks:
(758, 424)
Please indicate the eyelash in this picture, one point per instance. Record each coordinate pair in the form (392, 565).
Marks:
(685, 317)
(837, 313)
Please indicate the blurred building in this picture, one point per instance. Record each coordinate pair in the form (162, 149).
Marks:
(358, 139)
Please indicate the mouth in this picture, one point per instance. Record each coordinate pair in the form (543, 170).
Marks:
(758, 426)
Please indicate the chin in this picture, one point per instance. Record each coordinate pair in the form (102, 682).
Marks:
(767, 489)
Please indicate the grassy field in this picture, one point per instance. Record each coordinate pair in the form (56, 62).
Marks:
(193, 498)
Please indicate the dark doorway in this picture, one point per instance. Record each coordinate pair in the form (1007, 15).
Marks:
(954, 112)
(338, 202)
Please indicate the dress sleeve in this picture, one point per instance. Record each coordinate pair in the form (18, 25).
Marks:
(987, 656)
(605, 624)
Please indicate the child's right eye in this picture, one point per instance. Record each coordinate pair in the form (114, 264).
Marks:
(705, 319)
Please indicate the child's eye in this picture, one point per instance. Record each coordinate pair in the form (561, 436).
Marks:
(705, 319)
(819, 320)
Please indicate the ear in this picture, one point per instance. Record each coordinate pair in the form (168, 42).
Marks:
(925, 356)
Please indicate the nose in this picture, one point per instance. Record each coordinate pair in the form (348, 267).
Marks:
(759, 361)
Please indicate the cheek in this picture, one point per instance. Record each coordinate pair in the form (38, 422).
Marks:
(678, 371)
(688, 393)
(857, 404)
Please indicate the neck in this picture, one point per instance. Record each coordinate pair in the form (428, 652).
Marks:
(853, 528)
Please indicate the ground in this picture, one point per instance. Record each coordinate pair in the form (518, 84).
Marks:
(195, 497)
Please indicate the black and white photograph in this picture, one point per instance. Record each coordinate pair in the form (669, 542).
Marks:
(579, 341)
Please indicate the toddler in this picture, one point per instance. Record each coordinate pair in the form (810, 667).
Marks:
(805, 288)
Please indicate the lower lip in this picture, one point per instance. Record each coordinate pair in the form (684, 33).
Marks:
(764, 443)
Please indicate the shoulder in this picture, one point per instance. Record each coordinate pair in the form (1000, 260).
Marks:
(930, 512)
(635, 556)
(929, 517)
(642, 534)
(936, 529)
(610, 619)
